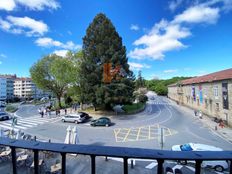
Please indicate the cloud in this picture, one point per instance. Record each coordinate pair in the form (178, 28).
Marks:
(138, 66)
(134, 27)
(61, 53)
(168, 35)
(170, 71)
(173, 5)
(3, 55)
(198, 14)
(162, 38)
(10, 5)
(49, 42)
(23, 25)
(7, 5)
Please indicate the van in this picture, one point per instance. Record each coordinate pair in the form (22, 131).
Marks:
(75, 118)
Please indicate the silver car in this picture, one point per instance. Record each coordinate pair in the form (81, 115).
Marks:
(74, 118)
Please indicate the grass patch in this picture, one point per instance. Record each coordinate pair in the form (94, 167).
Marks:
(134, 108)
(11, 109)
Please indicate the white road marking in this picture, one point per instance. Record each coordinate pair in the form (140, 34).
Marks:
(151, 165)
(191, 168)
(177, 167)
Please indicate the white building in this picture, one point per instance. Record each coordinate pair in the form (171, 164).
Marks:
(2, 89)
(9, 85)
(24, 88)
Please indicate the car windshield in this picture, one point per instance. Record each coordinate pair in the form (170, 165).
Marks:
(186, 147)
(2, 114)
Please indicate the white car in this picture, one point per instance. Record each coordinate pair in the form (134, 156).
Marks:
(217, 165)
(75, 118)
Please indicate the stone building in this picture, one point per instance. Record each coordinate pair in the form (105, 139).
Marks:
(211, 93)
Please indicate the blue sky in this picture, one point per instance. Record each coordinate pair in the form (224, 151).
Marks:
(163, 38)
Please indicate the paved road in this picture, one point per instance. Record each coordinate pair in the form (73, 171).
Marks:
(140, 130)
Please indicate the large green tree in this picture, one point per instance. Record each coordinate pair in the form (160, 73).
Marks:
(54, 73)
(102, 45)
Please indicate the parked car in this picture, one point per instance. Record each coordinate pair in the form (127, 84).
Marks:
(75, 118)
(2, 104)
(219, 166)
(4, 116)
(103, 121)
(84, 114)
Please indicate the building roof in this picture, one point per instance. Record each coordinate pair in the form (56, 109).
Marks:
(216, 76)
(23, 79)
(8, 76)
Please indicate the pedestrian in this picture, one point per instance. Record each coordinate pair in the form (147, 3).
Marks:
(65, 111)
(56, 113)
(195, 112)
(42, 113)
(221, 123)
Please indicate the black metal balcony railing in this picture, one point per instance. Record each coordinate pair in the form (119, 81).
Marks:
(121, 152)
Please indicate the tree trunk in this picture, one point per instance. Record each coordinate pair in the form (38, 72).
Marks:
(81, 105)
(59, 101)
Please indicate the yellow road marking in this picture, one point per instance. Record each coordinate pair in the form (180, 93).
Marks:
(138, 133)
(149, 133)
(126, 135)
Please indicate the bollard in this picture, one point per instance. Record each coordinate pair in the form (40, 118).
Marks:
(215, 127)
(106, 159)
(35, 138)
(132, 164)
(49, 140)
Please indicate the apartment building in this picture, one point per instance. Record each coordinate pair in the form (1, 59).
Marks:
(2, 89)
(9, 85)
(211, 93)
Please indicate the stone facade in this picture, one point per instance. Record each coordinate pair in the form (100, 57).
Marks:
(208, 97)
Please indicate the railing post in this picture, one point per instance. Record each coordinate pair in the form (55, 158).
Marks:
(160, 166)
(36, 161)
(13, 154)
(63, 155)
(93, 168)
(230, 166)
(125, 165)
(198, 167)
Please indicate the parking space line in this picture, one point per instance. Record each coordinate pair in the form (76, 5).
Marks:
(138, 133)
(126, 135)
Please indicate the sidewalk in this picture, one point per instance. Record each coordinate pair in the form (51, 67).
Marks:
(225, 133)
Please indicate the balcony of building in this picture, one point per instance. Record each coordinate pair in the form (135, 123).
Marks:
(94, 151)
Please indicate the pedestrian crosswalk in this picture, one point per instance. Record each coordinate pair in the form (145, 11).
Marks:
(27, 123)
(159, 103)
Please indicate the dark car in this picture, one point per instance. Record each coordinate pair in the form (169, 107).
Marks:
(103, 121)
(85, 115)
(4, 116)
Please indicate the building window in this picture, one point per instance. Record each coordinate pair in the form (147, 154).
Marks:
(215, 91)
(217, 107)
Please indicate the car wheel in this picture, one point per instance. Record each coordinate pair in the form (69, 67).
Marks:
(76, 122)
(107, 125)
(63, 120)
(219, 168)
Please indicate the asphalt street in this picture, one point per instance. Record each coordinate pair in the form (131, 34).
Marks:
(139, 130)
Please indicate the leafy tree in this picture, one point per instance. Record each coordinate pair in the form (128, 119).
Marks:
(161, 86)
(140, 82)
(102, 47)
(53, 73)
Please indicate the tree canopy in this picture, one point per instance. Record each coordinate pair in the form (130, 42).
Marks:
(54, 73)
(104, 56)
(161, 86)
